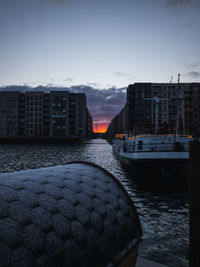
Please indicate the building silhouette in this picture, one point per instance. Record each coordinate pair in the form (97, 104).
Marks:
(39, 114)
(178, 109)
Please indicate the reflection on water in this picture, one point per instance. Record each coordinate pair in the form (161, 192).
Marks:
(164, 218)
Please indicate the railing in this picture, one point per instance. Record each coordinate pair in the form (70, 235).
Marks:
(166, 147)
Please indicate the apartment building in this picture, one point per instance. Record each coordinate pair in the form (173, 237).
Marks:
(119, 123)
(9, 104)
(195, 114)
(89, 123)
(59, 113)
(78, 115)
(139, 107)
(34, 114)
(177, 109)
(39, 114)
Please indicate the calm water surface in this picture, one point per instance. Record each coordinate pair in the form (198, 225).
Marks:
(164, 218)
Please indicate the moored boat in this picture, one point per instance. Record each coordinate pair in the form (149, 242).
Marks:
(160, 159)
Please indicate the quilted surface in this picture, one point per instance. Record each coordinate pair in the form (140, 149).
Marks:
(71, 215)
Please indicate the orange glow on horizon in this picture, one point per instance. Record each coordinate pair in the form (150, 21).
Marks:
(100, 127)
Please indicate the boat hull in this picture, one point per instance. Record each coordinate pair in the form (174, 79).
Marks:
(157, 171)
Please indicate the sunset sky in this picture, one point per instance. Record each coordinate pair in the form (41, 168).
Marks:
(99, 46)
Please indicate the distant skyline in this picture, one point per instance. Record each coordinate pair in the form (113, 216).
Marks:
(102, 104)
(99, 43)
(103, 45)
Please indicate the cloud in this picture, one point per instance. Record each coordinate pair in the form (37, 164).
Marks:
(93, 84)
(68, 80)
(57, 1)
(193, 65)
(121, 74)
(125, 75)
(182, 3)
(193, 74)
(104, 104)
(176, 3)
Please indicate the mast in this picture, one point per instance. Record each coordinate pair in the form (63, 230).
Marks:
(171, 95)
(156, 100)
(177, 106)
(171, 81)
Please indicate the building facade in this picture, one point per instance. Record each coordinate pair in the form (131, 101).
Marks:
(119, 123)
(89, 123)
(38, 114)
(9, 105)
(178, 109)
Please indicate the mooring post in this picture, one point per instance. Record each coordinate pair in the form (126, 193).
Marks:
(194, 197)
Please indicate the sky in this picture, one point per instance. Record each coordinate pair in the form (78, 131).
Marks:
(103, 45)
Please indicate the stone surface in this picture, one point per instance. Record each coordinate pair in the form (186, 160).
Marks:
(72, 215)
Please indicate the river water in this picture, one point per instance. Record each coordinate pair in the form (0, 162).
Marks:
(164, 217)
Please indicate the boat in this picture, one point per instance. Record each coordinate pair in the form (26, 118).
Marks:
(157, 160)
(164, 158)
(152, 148)
(149, 148)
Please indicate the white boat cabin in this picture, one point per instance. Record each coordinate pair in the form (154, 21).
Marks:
(153, 143)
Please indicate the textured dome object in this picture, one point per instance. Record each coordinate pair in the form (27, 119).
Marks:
(72, 215)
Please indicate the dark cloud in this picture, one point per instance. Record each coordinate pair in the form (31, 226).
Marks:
(194, 74)
(182, 3)
(176, 3)
(93, 84)
(128, 76)
(122, 74)
(103, 104)
(58, 1)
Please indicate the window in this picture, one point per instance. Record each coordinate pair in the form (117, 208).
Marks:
(140, 145)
